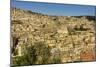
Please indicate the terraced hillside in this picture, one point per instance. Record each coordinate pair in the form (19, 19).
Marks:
(44, 39)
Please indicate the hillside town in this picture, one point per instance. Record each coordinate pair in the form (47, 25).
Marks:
(55, 39)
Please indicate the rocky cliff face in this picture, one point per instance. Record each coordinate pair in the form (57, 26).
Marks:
(70, 38)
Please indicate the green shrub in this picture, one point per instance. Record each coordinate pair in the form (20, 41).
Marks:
(32, 54)
(42, 50)
(28, 58)
(56, 60)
